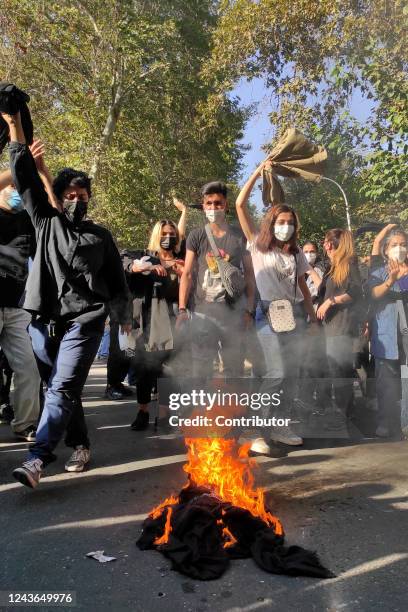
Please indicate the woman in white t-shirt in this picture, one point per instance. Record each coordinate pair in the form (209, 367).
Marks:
(280, 267)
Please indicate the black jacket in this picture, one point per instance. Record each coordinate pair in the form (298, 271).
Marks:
(17, 244)
(77, 270)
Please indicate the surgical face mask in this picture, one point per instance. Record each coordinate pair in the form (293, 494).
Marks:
(398, 253)
(215, 216)
(15, 202)
(311, 257)
(75, 210)
(168, 243)
(284, 232)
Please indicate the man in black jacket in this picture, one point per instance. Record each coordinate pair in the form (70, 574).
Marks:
(76, 272)
(17, 243)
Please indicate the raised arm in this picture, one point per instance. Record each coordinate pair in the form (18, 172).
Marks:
(376, 250)
(183, 217)
(5, 179)
(244, 216)
(37, 151)
(25, 175)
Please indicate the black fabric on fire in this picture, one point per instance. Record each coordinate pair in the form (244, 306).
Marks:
(196, 544)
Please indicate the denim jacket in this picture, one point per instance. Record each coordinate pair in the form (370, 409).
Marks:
(384, 320)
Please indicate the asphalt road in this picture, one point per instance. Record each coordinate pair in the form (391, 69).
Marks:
(347, 502)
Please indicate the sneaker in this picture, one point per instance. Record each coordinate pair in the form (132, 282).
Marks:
(6, 414)
(78, 460)
(29, 473)
(285, 435)
(113, 393)
(28, 435)
(260, 446)
(141, 422)
(126, 391)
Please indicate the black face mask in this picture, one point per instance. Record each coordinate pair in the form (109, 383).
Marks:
(75, 210)
(168, 243)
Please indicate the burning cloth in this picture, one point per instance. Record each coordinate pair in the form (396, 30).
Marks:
(203, 528)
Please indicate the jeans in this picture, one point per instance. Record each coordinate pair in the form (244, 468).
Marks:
(282, 354)
(339, 351)
(64, 358)
(389, 391)
(15, 342)
(214, 326)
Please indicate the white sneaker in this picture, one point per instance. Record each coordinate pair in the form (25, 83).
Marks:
(260, 446)
(285, 435)
(29, 473)
(78, 460)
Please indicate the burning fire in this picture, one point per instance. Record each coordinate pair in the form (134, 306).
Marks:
(226, 469)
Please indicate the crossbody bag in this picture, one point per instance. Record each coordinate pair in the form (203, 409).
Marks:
(280, 313)
(231, 277)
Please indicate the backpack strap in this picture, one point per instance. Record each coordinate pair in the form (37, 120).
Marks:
(212, 241)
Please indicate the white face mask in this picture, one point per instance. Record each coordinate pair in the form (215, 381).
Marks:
(215, 216)
(398, 253)
(311, 257)
(284, 232)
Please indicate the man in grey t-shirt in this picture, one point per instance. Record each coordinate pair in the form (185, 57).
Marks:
(217, 320)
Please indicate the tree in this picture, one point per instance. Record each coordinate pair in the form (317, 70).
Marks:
(316, 54)
(117, 88)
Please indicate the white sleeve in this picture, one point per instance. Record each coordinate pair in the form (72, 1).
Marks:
(302, 264)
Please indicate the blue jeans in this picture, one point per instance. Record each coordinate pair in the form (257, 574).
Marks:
(64, 358)
(282, 354)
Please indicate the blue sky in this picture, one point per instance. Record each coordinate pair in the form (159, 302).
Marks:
(259, 129)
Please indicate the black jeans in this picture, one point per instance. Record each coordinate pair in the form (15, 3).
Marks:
(389, 391)
(118, 364)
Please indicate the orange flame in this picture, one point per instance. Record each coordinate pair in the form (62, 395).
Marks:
(167, 529)
(218, 464)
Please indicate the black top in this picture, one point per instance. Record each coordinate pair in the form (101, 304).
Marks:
(343, 319)
(77, 270)
(17, 244)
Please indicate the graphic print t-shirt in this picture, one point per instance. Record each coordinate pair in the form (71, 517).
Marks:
(208, 287)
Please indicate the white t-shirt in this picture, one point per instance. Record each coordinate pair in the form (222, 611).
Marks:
(275, 273)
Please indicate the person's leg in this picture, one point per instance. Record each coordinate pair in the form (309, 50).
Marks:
(18, 350)
(274, 368)
(117, 366)
(340, 364)
(76, 353)
(388, 384)
(205, 335)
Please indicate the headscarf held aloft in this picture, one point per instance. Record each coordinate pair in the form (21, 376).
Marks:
(293, 157)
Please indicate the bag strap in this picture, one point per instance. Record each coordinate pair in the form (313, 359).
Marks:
(296, 280)
(212, 241)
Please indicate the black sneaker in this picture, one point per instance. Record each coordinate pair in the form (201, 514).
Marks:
(113, 393)
(141, 422)
(6, 414)
(28, 435)
(126, 391)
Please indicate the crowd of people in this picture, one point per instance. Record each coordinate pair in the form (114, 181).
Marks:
(246, 300)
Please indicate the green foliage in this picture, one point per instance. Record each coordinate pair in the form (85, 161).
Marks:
(117, 89)
(317, 55)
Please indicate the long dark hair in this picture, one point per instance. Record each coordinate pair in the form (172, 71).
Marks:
(266, 240)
